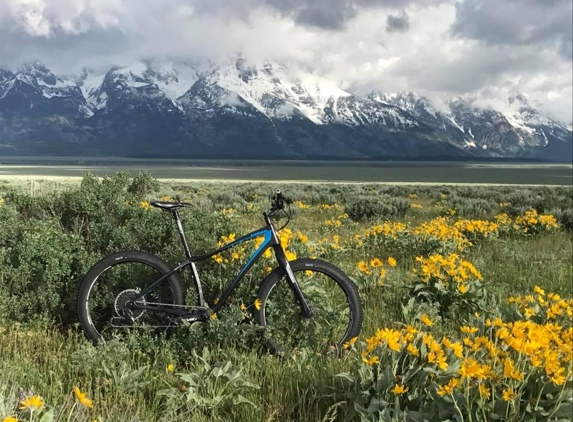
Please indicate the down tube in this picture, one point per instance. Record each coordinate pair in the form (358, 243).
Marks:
(264, 246)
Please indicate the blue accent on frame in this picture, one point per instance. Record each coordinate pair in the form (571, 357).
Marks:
(268, 236)
(266, 232)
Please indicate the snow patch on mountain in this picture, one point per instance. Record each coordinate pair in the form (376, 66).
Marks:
(276, 91)
(519, 123)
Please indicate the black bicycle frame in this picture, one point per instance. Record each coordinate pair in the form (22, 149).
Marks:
(271, 239)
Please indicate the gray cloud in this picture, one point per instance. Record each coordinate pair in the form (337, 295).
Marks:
(398, 23)
(517, 22)
(483, 67)
(326, 16)
(334, 14)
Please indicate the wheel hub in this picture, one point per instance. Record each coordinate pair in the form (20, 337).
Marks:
(121, 301)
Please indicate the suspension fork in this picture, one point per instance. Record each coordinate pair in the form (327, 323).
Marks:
(283, 262)
(291, 280)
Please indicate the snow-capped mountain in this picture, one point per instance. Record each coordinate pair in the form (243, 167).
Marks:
(519, 130)
(200, 108)
(37, 90)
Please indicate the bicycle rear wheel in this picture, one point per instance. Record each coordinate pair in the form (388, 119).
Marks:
(117, 279)
(332, 297)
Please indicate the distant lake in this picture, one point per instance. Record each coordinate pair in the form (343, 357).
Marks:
(296, 171)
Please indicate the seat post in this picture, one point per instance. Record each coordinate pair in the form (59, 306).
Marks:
(181, 232)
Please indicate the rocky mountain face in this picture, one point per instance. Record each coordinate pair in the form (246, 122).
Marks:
(201, 109)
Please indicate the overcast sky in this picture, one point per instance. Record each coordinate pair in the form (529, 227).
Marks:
(434, 47)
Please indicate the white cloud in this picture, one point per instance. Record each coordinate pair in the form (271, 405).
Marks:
(357, 51)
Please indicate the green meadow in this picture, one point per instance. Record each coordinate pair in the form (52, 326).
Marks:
(462, 287)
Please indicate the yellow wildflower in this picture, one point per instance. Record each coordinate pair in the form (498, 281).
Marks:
(392, 261)
(558, 377)
(539, 290)
(484, 391)
(441, 362)
(371, 361)
(399, 389)
(9, 418)
(412, 350)
(363, 267)
(411, 329)
(291, 256)
(144, 205)
(349, 343)
(470, 368)
(455, 347)
(468, 330)
(170, 368)
(84, 401)
(462, 288)
(242, 307)
(426, 320)
(258, 304)
(32, 403)
(449, 387)
(508, 394)
(376, 262)
(509, 370)
(214, 316)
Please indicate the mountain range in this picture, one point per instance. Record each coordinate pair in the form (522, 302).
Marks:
(202, 109)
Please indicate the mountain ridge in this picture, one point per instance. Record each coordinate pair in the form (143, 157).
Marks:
(254, 111)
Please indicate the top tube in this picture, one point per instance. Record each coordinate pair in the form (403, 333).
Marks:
(257, 233)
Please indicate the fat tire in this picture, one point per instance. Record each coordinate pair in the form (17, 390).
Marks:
(118, 258)
(335, 273)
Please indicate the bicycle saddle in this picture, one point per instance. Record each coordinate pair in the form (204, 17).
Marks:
(170, 205)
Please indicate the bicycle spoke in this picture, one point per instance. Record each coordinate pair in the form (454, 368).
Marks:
(330, 320)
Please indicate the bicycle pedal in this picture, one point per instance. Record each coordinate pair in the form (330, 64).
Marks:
(118, 321)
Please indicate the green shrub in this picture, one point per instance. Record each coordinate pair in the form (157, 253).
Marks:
(143, 184)
(564, 217)
(212, 388)
(369, 208)
(472, 207)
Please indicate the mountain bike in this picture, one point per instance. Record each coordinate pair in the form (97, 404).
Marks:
(301, 303)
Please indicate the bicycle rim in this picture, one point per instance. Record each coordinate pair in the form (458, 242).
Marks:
(121, 282)
(290, 332)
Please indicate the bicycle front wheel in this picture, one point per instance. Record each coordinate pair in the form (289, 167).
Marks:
(332, 297)
(113, 282)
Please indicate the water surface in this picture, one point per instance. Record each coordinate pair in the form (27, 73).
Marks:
(296, 171)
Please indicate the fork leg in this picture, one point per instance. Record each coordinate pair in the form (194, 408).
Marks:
(291, 279)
